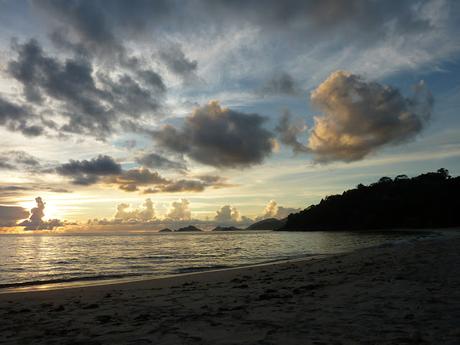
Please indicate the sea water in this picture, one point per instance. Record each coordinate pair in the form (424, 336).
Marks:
(37, 261)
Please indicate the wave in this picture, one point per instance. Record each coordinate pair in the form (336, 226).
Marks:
(68, 280)
(191, 269)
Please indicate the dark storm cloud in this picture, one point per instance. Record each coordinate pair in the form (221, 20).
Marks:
(91, 32)
(98, 24)
(176, 61)
(100, 27)
(19, 118)
(360, 117)
(70, 82)
(156, 161)
(87, 172)
(88, 108)
(10, 215)
(281, 84)
(152, 79)
(127, 96)
(288, 133)
(219, 137)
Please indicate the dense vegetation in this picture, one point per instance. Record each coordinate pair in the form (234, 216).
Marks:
(430, 200)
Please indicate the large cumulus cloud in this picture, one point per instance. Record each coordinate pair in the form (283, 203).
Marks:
(141, 214)
(180, 210)
(359, 117)
(36, 221)
(220, 137)
(227, 214)
(273, 210)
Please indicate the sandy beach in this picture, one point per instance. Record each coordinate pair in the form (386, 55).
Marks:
(407, 293)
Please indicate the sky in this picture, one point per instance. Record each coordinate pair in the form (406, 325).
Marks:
(136, 115)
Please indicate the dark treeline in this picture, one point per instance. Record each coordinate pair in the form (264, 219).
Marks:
(430, 200)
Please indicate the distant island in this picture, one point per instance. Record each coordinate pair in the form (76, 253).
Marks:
(267, 224)
(226, 228)
(430, 200)
(165, 230)
(189, 228)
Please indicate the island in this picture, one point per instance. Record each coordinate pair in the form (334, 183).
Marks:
(165, 230)
(267, 224)
(189, 228)
(226, 228)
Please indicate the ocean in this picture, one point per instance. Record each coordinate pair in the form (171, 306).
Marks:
(48, 261)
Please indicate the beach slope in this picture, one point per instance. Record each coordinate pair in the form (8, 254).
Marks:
(396, 294)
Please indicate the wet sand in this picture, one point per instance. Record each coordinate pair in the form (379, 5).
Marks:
(395, 294)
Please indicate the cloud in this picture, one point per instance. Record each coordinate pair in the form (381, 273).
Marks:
(10, 215)
(87, 172)
(281, 83)
(360, 117)
(142, 214)
(130, 180)
(92, 103)
(288, 132)
(176, 61)
(10, 192)
(273, 210)
(178, 186)
(19, 160)
(36, 222)
(156, 161)
(105, 170)
(19, 118)
(215, 181)
(227, 215)
(219, 137)
(199, 184)
(96, 30)
(359, 19)
(179, 211)
(99, 26)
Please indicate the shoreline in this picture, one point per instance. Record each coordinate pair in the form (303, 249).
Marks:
(151, 280)
(32, 286)
(405, 293)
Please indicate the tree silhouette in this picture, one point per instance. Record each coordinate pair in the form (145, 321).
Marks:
(426, 201)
